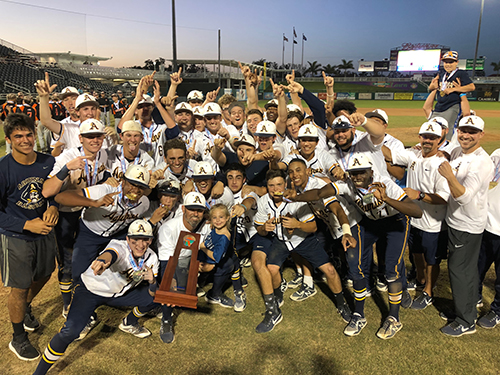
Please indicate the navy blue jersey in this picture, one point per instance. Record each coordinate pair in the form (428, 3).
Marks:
(21, 194)
(255, 172)
(218, 243)
(446, 101)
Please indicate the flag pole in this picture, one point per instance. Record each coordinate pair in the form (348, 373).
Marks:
(283, 53)
(293, 44)
(302, 61)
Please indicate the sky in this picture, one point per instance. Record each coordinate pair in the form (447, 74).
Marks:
(132, 31)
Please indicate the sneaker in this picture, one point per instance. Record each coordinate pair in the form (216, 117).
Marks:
(244, 281)
(222, 300)
(348, 283)
(89, 327)
(30, 323)
(245, 262)
(200, 292)
(490, 320)
(279, 300)
(270, 321)
(303, 293)
(65, 312)
(156, 312)
(369, 291)
(240, 301)
(414, 285)
(284, 285)
(479, 303)
(296, 282)
(406, 300)
(356, 324)
(421, 302)
(136, 330)
(166, 332)
(390, 327)
(455, 329)
(381, 286)
(21, 346)
(345, 312)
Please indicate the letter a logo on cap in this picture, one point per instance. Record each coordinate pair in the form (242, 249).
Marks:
(183, 106)
(202, 171)
(307, 131)
(264, 128)
(141, 176)
(356, 162)
(209, 109)
(141, 229)
(86, 97)
(197, 200)
(93, 126)
(469, 121)
(430, 128)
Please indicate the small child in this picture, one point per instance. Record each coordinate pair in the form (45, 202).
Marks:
(218, 255)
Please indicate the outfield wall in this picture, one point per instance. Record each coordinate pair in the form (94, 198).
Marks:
(482, 96)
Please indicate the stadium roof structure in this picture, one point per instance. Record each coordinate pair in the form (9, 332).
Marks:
(70, 57)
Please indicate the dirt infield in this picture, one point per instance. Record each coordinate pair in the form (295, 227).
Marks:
(420, 112)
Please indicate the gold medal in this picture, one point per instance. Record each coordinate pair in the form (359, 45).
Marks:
(493, 184)
(137, 276)
(441, 93)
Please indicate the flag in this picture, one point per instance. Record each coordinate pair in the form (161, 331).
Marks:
(294, 33)
(304, 37)
(294, 41)
(285, 38)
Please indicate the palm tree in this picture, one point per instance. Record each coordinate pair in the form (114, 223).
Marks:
(496, 66)
(331, 69)
(314, 68)
(346, 65)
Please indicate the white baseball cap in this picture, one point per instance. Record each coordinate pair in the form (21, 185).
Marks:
(271, 103)
(246, 139)
(183, 107)
(308, 131)
(91, 126)
(431, 127)
(212, 109)
(137, 175)
(194, 200)
(86, 99)
(68, 91)
(131, 126)
(359, 161)
(293, 108)
(341, 122)
(140, 228)
(146, 99)
(378, 113)
(195, 95)
(440, 120)
(199, 111)
(472, 122)
(203, 169)
(265, 129)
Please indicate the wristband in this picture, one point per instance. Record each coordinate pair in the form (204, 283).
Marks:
(101, 260)
(346, 229)
(246, 208)
(153, 287)
(330, 96)
(63, 173)
(364, 122)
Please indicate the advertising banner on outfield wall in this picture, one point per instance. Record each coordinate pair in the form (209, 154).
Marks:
(381, 66)
(420, 95)
(366, 66)
(403, 96)
(487, 96)
(384, 96)
(268, 95)
(365, 95)
(346, 95)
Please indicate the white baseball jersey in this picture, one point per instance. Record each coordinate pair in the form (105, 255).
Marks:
(423, 176)
(91, 175)
(154, 139)
(474, 171)
(371, 207)
(291, 147)
(226, 199)
(493, 221)
(169, 233)
(205, 144)
(189, 136)
(322, 163)
(267, 209)
(244, 223)
(118, 163)
(70, 131)
(108, 220)
(116, 280)
(182, 178)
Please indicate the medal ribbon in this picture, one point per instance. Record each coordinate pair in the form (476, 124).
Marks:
(91, 181)
(447, 78)
(148, 137)
(136, 160)
(135, 266)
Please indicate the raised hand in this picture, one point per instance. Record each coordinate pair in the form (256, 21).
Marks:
(191, 151)
(175, 78)
(295, 87)
(328, 81)
(291, 193)
(107, 200)
(168, 101)
(212, 95)
(43, 87)
(378, 190)
(245, 70)
(290, 77)
(219, 143)
(76, 163)
(434, 83)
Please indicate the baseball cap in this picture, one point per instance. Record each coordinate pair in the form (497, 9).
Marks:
(131, 126)
(195, 95)
(378, 113)
(199, 111)
(137, 175)
(271, 103)
(246, 139)
(203, 169)
(265, 129)
(472, 122)
(194, 200)
(140, 228)
(68, 91)
(183, 107)
(146, 99)
(450, 55)
(293, 108)
(91, 126)
(359, 162)
(212, 109)
(308, 131)
(440, 120)
(341, 122)
(170, 187)
(85, 99)
(430, 127)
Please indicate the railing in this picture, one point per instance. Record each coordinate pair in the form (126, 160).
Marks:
(96, 71)
(16, 48)
(12, 85)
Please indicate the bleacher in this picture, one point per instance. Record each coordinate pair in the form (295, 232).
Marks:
(77, 80)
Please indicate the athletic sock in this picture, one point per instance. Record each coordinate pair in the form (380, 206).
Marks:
(359, 287)
(299, 270)
(339, 299)
(18, 328)
(270, 303)
(308, 280)
(395, 295)
(278, 293)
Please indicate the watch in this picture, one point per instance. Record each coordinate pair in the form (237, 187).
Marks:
(420, 196)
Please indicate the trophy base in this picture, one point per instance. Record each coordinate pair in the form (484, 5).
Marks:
(176, 299)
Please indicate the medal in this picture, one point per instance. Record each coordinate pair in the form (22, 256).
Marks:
(493, 184)
(137, 276)
(441, 93)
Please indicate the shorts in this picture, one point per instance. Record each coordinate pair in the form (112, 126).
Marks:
(24, 262)
(310, 249)
(433, 245)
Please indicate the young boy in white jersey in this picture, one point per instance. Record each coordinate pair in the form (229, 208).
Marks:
(123, 274)
(204, 182)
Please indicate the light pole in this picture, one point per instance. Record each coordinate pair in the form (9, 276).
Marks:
(174, 39)
(477, 41)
